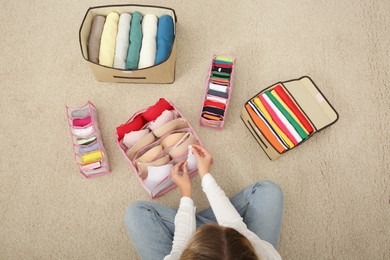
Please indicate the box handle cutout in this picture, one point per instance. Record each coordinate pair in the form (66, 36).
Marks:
(121, 77)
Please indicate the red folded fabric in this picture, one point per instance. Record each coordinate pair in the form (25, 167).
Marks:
(136, 124)
(156, 110)
(223, 65)
(214, 104)
(286, 99)
(82, 121)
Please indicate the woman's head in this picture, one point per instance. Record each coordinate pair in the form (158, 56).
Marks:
(218, 242)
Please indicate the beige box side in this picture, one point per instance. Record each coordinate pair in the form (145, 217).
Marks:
(161, 73)
(312, 102)
(263, 142)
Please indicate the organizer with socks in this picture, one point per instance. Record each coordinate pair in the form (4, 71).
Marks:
(286, 114)
(153, 140)
(217, 94)
(90, 155)
(130, 43)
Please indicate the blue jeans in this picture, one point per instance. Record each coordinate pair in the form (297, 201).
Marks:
(151, 225)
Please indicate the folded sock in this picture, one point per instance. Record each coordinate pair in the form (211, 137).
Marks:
(91, 166)
(214, 110)
(165, 38)
(135, 41)
(107, 44)
(86, 149)
(220, 74)
(223, 62)
(211, 103)
(149, 45)
(212, 117)
(283, 95)
(216, 99)
(86, 141)
(82, 121)
(217, 93)
(217, 87)
(223, 58)
(221, 69)
(83, 131)
(223, 65)
(122, 41)
(95, 37)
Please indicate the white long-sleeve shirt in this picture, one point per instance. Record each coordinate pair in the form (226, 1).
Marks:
(226, 215)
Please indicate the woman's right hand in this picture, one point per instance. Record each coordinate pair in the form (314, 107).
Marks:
(203, 159)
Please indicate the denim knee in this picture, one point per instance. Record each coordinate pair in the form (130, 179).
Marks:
(134, 212)
(271, 188)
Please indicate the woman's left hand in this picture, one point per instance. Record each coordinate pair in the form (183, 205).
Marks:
(183, 181)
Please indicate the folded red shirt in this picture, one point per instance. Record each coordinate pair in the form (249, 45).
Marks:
(214, 104)
(156, 110)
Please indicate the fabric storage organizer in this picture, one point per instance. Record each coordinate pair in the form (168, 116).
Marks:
(218, 91)
(160, 73)
(286, 112)
(90, 155)
(154, 142)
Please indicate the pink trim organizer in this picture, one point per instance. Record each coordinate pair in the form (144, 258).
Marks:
(218, 91)
(89, 152)
(153, 154)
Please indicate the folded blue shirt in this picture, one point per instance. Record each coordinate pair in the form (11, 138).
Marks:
(165, 37)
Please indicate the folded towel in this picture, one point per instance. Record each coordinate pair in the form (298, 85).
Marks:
(135, 41)
(107, 44)
(165, 37)
(149, 46)
(95, 37)
(122, 41)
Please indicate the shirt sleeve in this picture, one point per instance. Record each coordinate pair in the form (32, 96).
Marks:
(227, 216)
(185, 225)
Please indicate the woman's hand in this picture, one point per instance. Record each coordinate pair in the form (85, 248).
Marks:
(203, 159)
(183, 181)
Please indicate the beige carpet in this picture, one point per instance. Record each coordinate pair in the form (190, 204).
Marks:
(336, 185)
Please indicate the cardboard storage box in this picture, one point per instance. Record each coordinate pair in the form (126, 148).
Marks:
(308, 99)
(161, 73)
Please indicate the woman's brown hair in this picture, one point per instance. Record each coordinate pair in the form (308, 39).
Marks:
(218, 242)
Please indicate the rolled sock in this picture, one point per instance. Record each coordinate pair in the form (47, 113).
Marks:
(149, 45)
(122, 41)
(83, 131)
(218, 88)
(107, 44)
(91, 157)
(86, 149)
(95, 36)
(135, 41)
(82, 121)
(80, 112)
(165, 37)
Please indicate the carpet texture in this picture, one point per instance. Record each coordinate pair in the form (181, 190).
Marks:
(336, 185)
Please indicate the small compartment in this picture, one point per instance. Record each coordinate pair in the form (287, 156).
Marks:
(218, 91)
(285, 115)
(162, 152)
(87, 143)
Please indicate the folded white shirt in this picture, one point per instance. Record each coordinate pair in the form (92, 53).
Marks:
(122, 41)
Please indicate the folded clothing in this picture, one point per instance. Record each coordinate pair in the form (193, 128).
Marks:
(214, 110)
(86, 149)
(212, 117)
(135, 41)
(107, 44)
(86, 141)
(156, 110)
(217, 93)
(95, 37)
(83, 131)
(165, 38)
(211, 103)
(219, 88)
(149, 45)
(91, 157)
(122, 41)
(81, 122)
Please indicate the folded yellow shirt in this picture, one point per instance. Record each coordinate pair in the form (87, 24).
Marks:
(273, 92)
(273, 124)
(91, 157)
(107, 44)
